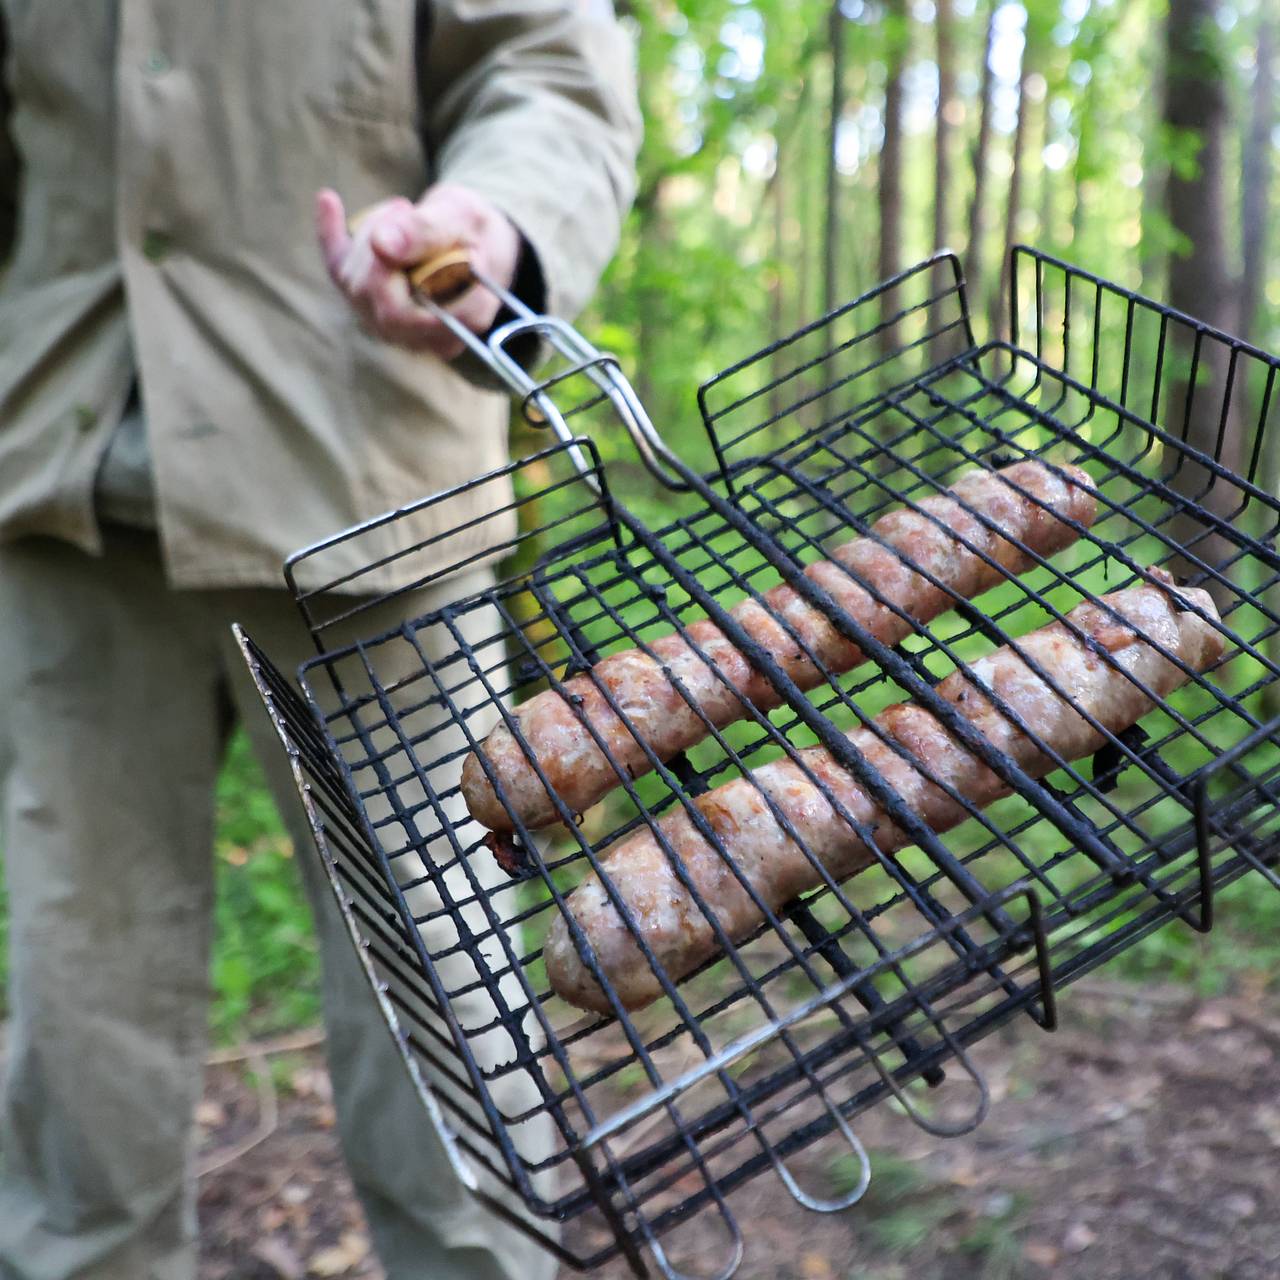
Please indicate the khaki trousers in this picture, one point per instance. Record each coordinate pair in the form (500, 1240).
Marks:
(116, 698)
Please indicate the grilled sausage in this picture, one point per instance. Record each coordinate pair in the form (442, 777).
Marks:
(559, 728)
(678, 932)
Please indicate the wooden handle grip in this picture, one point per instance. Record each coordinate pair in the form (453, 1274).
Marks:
(443, 276)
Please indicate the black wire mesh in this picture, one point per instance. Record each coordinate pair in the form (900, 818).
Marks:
(862, 989)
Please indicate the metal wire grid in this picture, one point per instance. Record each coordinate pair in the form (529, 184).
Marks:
(897, 443)
(400, 820)
(655, 1195)
(877, 448)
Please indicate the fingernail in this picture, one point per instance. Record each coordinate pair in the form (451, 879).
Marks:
(391, 240)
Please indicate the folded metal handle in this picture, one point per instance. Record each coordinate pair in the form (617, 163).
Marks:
(442, 278)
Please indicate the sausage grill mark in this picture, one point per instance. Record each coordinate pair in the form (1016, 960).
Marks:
(1104, 662)
(669, 696)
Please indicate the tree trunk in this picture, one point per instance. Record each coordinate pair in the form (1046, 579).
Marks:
(890, 189)
(1253, 218)
(945, 28)
(1044, 218)
(777, 293)
(1257, 181)
(807, 147)
(981, 159)
(1083, 167)
(651, 235)
(1195, 107)
(831, 241)
(827, 405)
(1000, 302)
(1153, 252)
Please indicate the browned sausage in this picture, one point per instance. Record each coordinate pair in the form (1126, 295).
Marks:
(904, 541)
(677, 930)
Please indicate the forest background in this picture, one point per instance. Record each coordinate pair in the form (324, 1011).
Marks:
(796, 153)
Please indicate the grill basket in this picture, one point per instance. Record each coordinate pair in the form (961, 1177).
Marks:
(626, 1126)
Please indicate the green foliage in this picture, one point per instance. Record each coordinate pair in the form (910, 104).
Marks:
(1181, 150)
(906, 1209)
(723, 253)
(1244, 941)
(265, 969)
(724, 250)
(991, 1242)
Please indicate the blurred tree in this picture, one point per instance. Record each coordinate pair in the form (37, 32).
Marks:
(836, 38)
(1196, 114)
(1013, 203)
(944, 30)
(777, 293)
(1045, 229)
(777, 130)
(897, 35)
(1089, 46)
(1257, 178)
(973, 265)
(944, 24)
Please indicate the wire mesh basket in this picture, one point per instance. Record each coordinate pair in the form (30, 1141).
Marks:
(628, 1122)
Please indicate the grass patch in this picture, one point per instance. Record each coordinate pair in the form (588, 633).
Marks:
(1245, 940)
(903, 1207)
(265, 969)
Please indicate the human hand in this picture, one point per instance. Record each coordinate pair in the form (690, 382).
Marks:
(369, 264)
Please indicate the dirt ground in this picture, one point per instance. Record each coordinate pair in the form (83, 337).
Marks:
(1141, 1140)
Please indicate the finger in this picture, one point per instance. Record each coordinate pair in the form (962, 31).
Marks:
(414, 329)
(412, 233)
(389, 297)
(362, 274)
(390, 313)
(422, 331)
(394, 237)
(331, 229)
(488, 234)
(477, 309)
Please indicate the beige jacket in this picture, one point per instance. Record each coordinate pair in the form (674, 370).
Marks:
(170, 152)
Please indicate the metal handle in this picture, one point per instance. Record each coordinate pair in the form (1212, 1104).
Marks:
(445, 276)
(835, 1204)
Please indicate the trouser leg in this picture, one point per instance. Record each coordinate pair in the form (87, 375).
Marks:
(425, 1225)
(109, 747)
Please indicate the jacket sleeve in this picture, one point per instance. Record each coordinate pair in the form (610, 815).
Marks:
(533, 104)
(9, 165)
